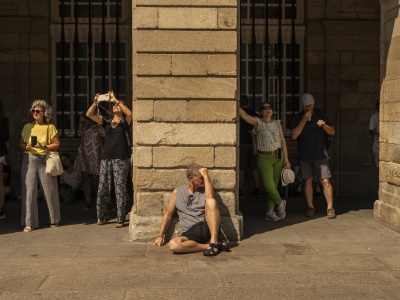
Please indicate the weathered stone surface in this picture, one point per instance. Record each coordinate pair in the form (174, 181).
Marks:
(222, 64)
(168, 157)
(389, 172)
(186, 41)
(189, 64)
(389, 152)
(185, 134)
(187, 18)
(143, 157)
(227, 203)
(389, 194)
(183, 87)
(392, 70)
(143, 110)
(149, 203)
(350, 72)
(212, 110)
(170, 110)
(208, 3)
(227, 18)
(389, 132)
(225, 157)
(167, 180)
(387, 214)
(154, 64)
(146, 17)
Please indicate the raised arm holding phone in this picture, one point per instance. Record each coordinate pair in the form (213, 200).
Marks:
(115, 158)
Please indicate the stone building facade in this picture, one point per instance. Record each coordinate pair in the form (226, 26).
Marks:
(183, 70)
(185, 90)
(387, 208)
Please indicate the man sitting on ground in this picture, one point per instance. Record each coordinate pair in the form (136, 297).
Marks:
(198, 214)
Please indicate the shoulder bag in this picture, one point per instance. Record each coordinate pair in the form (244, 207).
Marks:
(53, 162)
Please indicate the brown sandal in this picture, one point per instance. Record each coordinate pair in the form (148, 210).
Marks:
(119, 225)
(27, 229)
(102, 221)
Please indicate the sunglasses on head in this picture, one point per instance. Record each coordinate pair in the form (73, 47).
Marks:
(190, 200)
(36, 111)
(266, 107)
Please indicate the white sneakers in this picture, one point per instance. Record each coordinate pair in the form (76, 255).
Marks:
(271, 216)
(281, 212)
(279, 215)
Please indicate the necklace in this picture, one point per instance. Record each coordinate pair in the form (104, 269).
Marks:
(114, 123)
(266, 121)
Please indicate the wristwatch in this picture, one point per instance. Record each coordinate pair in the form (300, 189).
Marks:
(45, 147)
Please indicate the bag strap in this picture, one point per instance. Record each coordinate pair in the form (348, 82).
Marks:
(47, 135)
(128, 137)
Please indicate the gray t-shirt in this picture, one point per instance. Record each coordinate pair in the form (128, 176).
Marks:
(193, 214)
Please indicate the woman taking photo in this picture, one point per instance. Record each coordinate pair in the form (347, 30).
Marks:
(270, 144)
(115, 158)
(4, 137)
(37, 138)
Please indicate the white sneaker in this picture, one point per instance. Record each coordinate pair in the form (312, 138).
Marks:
(281, 210)
(271, 216)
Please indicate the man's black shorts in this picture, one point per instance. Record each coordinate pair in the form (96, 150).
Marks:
(199, 233)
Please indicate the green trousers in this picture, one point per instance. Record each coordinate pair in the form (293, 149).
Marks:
(270, 169)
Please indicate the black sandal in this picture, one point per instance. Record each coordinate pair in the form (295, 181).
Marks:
(213, 250)
(224, 246)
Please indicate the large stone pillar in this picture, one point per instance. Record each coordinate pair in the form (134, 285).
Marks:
(185, 86)
(387, 208)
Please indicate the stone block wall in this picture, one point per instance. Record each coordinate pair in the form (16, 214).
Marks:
(387, 208)
(185, 84)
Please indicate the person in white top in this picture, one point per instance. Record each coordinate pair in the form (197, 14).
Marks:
(374, 131)
(270, 161)
(70, 181)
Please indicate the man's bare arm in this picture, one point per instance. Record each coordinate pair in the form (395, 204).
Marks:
(166, 219)
(208, 187)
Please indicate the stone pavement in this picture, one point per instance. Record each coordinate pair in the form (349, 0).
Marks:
(350, 257)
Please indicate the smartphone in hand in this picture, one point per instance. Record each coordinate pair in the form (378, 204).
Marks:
(33, 140)
(103, 97)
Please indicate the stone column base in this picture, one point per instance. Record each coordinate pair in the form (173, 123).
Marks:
(388, 215)
(146, 228)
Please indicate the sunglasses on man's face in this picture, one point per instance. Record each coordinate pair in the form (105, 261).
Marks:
(266, 107)
(190, 200)
(36, 111)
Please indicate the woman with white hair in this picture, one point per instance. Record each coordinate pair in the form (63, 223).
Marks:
(37, 138)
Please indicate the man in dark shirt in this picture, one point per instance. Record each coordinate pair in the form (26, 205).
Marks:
(309, 128)
(198, 214)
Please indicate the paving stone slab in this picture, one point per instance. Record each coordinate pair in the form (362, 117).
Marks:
(85, 266)
(303, 279)
(67, 295)
(12, 283)
(240, 264)
(334, 263)
(257, 249)
(115, 281)
(394, 276)
(355, 248)
(128, 250)
(391, 260)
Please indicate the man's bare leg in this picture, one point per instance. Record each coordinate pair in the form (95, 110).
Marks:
(182, 244)
(213, 219)
(328, 192)
(308, 191)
